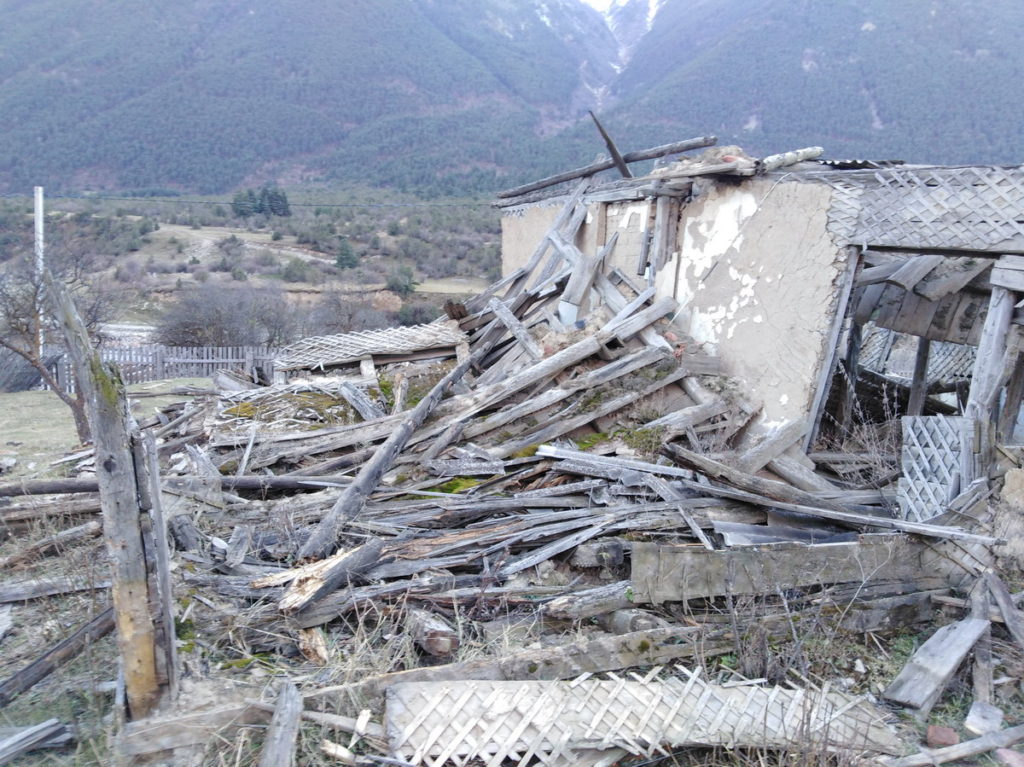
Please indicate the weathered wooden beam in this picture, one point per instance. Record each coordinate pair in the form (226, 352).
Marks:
(56, 656)
(43, 735)
(643, 648)
(597, 167)
(516, 328)
(663, 573)
(48, 487)
(773, 443)
(613, 150)
(779, 491)
(590, 602)
(22, 591)
(279, 743)
(969, 748)
(929, 670)
(431, 632)
(107, 408)
(919, 383)
(351, 502)
(1012, 617)
(52, 544)
(581, 462)
(988, 362)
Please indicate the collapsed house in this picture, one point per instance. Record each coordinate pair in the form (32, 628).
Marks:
(683, 424)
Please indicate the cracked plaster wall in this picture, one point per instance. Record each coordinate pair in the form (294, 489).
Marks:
(759, 280)
(755, 271)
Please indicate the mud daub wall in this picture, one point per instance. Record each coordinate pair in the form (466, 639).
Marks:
(755, 270)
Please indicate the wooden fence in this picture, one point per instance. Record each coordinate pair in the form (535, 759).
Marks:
(154, 362)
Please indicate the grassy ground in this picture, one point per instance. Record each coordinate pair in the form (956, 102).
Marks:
(37, 428)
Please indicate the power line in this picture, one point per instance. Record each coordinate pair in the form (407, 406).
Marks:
(179, 201)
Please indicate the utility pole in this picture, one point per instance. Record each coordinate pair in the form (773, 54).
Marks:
(40, 266)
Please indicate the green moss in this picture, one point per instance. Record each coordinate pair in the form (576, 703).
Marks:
(643, 646)
(527, 452)
(185, 629)
(645, 441)
(532, 668)
(458, 484)
(585, 443)
(243, 410)
(107, 381)
(386, 390)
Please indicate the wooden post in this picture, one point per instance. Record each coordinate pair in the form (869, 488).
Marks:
(988, 364)
(612, 149)
(919, 385)
(107, 409)
(1011, 405)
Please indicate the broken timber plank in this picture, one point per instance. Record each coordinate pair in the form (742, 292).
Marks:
(664, 573)
(320, 579)
(22, 591)
(516, 328)
(279, 744)
(773, 444)
(580, 462)
(431, 632)
(929, 670)
(155, 734)
(52, 544)
(1012, 617)
(57, 655)
(969, 748)
(669, 493)
(642, 648)
(590, 602)
(351, 502)
(43, 735)
(590, 170)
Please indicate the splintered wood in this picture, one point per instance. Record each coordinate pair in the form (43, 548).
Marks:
(555, 457)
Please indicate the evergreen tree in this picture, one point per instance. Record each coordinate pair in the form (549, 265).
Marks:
(263, 204)
(241, 205)
(278, 202)
(347, 257)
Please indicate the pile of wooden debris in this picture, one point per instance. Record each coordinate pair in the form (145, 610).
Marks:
(553, 460)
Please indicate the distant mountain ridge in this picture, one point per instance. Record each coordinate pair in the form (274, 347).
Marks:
(450, 96)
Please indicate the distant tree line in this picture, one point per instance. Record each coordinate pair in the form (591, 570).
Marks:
(268, 201)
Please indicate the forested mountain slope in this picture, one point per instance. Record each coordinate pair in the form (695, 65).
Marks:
(472, 95)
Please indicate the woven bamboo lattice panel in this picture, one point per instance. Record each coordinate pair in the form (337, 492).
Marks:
(972, 207)
(938, 462)
(947, 362)
(324, 351)
(562, 723)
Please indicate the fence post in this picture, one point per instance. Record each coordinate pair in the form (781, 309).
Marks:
(107, 405)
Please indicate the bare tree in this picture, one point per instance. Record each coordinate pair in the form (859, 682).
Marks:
(26, 325)
(218, 315)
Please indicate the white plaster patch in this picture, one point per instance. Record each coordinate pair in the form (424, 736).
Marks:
(707, 239)
(632, 216)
